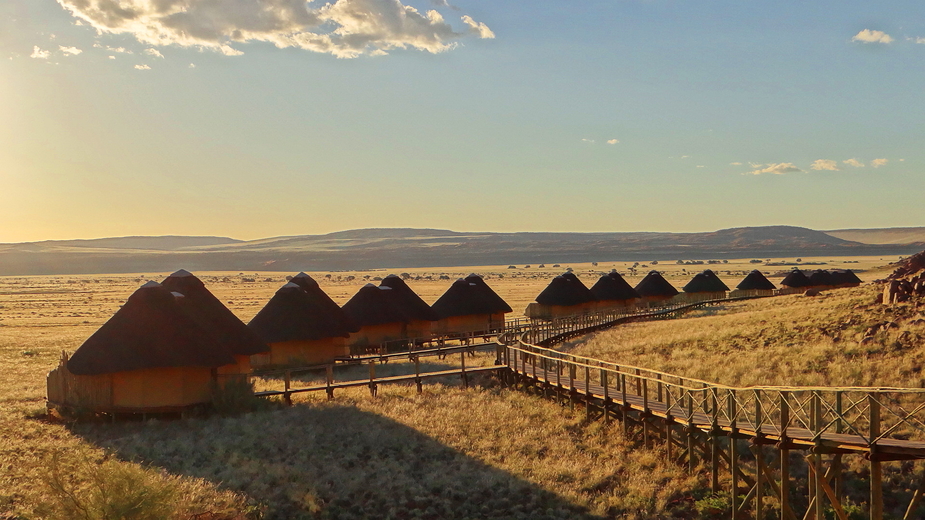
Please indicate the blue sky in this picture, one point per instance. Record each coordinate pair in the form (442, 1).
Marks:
(533, 116)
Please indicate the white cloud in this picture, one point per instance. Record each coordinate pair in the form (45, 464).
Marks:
(343, 28)
(868, 36)
(701, 166)
(153, 52)
(825, 164)
(585, 140)
(112, 57)
(775, 168)
(192, 65)
(120, 50)
(920, 40)
(876, 163)
(613, 141)
(854, 162)
(902, 160)
(70, 51)
(142, 67)
(39, 54)
(685, 156)
(735, 164)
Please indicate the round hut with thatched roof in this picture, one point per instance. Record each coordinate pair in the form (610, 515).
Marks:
(378, 317)
(302, 327)
(151, 356)
(796, 281)
(705, 286)
(212, 315)
(421, 318)
(845, 278)
(821, 279)
(470, 308)
(754, 284)
(613, 292)
(655, 289)
(565, 295)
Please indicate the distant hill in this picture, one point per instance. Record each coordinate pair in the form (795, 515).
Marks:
(902, 235)
(388, 247)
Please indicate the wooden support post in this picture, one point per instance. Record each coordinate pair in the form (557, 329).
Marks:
(759, 459)
(623, 406)
(785, 511)
(816, 489)
(916, 498)
(286, 395)
(588, 394)
(372, 378)
(329, 378)
(571, 385)
(876, 468)
(462, 364)
(606, 396)
(733, 456)
(714, 462)
(691, 432)
(417, 374)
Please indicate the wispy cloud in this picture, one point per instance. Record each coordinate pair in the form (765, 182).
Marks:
(613, 141)
(918, 40)
(869, 36)
(854, 162)
(142, 67)
(120, 50)
(69, 51)
(39, 54)
(153, 52)
(192, 65)
(825, 164)
(586, 140)
(343, 28)
(876, 163)
(775, 168)
(735, 164)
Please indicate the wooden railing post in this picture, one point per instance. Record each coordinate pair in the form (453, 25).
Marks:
(462, 364)
(329, 378)
(876, 469)
(372, 378)
(417, 374)
(286, 395)
(785, 512)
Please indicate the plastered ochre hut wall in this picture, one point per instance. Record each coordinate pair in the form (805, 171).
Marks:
(469, 306)
(378, 316)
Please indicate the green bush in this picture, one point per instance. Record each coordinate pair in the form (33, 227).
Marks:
(236, 396)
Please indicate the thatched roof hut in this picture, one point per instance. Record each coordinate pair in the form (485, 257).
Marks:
(497, 302)
(330, 309)
(212, 315)
(705, 282)
(755, 281)
(613, 288)
(468, 307)
(151, 356)
(796, 279)
(845, 278)
(654, 287)
(565, 290)
(821, 278)
(379, 314)
(410, 303)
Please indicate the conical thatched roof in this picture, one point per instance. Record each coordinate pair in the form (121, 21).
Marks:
(706, 281)
(411, 304)
(845, 277)
(150, 331)
(612, 287)
(373, 305)
(755, 281)
(821, 278)
(565, 291)
(795, 279)
(331, 310)
(212, 315)
(654, 285)
(496, 303)
(465, 298)
(294, 315)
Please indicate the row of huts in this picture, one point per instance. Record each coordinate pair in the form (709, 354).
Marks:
(173, 343)
(566, 294)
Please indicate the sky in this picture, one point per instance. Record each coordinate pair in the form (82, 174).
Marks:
(258, 118)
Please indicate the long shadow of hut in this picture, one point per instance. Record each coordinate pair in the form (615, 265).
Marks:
(754, 284)
(302, 327)
(612, 292)
(151, 356)
(655, 289)
(565, 295)
(334, 462)
(705, 286)
(469, 308)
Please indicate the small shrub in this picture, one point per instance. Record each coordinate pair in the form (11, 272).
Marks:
(236, 396)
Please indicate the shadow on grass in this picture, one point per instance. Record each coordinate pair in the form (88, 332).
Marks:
(332, 461)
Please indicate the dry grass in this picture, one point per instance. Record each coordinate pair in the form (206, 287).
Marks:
(789, 340)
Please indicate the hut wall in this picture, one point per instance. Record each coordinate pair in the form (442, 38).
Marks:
(84, 392)
(241, 367)
(159, 388)
(419, 329)
(784, 290)
(615, 305)
(700, 296)
(374, 335)
(739, 293)
(471, 323)
(305, 352)
(549, 312)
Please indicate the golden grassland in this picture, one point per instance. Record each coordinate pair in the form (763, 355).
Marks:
(448, 453)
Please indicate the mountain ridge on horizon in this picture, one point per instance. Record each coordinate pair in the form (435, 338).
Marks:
(410, 247)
